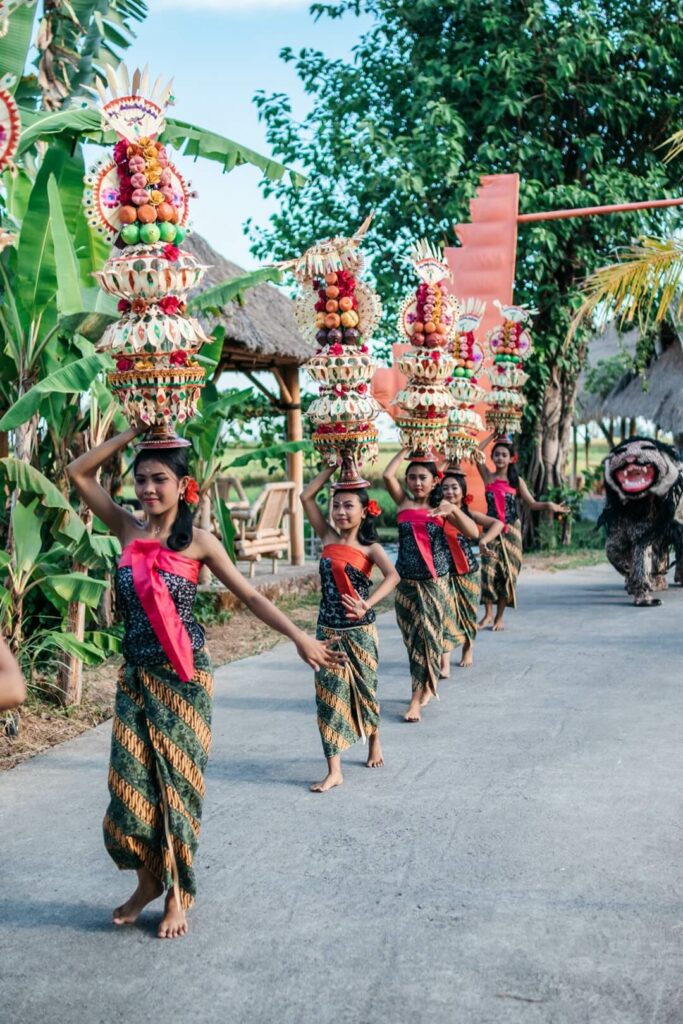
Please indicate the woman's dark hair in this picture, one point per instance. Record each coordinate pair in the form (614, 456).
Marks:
(461, 480)
(436, 497)
(513, 473)
(175, 459)
(367, 531)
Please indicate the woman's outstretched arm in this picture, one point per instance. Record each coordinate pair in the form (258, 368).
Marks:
(311, 507)
(492, 527)
(83, 474)
(314, 652)
(390, 479)
(539, 506)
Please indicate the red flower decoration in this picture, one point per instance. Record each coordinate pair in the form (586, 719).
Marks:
(169, 304)
(436, 356)
(191, 494)
(362, 389)
(339, 428)
(468, 499)
(123, 305)
(170, 253)
(336, 350)
(123, 364)
(178, 359)
(374, 509)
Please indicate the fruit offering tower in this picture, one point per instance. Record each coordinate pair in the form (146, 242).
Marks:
(509, 345)
(465, 423)
(428, 319)
(138, 200)
(340, 311)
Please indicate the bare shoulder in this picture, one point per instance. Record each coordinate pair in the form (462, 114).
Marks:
(204, 543)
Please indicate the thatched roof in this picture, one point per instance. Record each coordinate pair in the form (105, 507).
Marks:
(261, 333)
(657, 395)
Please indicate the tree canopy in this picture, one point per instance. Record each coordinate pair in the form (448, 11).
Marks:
(576, 97)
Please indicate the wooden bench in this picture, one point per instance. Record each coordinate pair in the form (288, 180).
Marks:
(261, 527)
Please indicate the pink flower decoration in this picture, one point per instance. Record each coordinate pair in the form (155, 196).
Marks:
(170, 253)
(123, 364)
(362, 389)
(177, 358)
(169, 304)
(336, 350)
(123, 305)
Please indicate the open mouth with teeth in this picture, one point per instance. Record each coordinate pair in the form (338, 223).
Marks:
(634, 478)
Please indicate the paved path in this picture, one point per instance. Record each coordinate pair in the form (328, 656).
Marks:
(519, 859)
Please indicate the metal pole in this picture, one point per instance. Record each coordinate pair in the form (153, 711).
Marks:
(588, 211)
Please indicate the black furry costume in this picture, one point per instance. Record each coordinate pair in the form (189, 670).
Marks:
(643, 515)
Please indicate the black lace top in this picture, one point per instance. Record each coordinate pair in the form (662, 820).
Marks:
(511, 508)
(332, 612)
(140, 644)
(410, 564)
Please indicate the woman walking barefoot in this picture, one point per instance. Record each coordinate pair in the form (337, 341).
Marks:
(346, 695)
(503, 559)
(466, 579)
(162, 714)
(424, 607)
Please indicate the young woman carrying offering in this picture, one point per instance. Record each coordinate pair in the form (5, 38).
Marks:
(466, 579)
(162, 715)
(424, 606)
(503, 559)
(346, 694)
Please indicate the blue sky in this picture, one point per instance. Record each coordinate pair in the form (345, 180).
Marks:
(219, 52)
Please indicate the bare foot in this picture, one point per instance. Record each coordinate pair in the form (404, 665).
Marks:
(498, 626)
(445, 670)
(148, 890)
(467, 656)
(375, 755)
(332, 779)
(485, 622)
(425, 698)
(174, 922)
(413, 712)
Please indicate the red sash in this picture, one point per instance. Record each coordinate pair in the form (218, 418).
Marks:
(418, 519)
(341, 555)
(499, 488)
(452, 535)
(146, 558)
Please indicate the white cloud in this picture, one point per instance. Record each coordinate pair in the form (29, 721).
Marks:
(228, 6)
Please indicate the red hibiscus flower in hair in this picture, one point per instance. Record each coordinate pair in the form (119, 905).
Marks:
(374, 509)
(171, 253)
(468, 499)
(191, 494)
(169, 304)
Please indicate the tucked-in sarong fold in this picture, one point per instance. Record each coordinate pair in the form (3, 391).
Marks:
(346, 697)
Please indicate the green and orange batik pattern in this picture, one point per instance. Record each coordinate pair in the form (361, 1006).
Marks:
(423, 608)
(500, 566)
(160, 745)
(346, 696)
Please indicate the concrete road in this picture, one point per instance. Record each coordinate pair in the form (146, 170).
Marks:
(518, 860)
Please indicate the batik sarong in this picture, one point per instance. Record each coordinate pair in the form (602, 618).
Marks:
(346, 696)
(160, 744)
(461, 621)
(500, 566)
(422, 607)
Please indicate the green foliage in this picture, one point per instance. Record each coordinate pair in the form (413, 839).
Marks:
(207, 609)
(575, 97)
(606, 374)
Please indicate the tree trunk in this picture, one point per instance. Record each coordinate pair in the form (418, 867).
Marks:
(70, 678)
(548, 464)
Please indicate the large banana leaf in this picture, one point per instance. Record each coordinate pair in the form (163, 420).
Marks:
(28, 479)
(190, 139)
(74, 378)
(69, 299)
(221, 294)
(76, 586)
(96, 551)
(70, 644)
(226, 526)
(15, 46)
(36, 262)
(26, 533)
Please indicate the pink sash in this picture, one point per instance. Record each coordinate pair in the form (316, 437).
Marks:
(146, 558)
(453, 540)
(418, 519)
(341, 555)
(499, 488)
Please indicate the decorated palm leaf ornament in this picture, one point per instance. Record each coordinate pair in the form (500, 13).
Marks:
(465, 423)
(10, 123)
(138, 200)
(339, 310)
(428, 319)
(509, 345)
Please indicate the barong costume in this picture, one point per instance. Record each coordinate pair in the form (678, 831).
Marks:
(424, 605)
(500, 565)
(162, 719)
(346, 695)
(465, 583)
